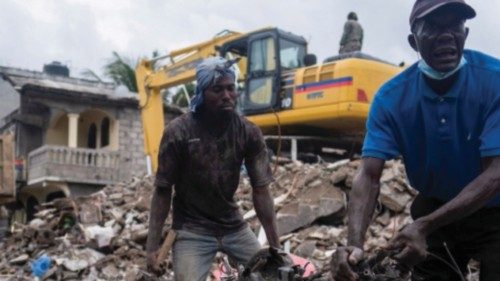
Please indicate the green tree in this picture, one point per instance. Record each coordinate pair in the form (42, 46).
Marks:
(121, 71)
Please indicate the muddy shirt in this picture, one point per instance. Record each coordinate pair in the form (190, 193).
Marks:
(205, 172)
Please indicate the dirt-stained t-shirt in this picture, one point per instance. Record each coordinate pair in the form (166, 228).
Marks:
(205, 172)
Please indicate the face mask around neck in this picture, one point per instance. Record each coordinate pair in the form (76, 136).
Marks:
(437, 75)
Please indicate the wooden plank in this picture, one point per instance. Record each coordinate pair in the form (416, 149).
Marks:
(7, 180)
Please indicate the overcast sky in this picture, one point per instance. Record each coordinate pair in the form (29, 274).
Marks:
(83, 33)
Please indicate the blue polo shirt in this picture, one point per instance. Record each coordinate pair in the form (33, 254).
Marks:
(441, 138)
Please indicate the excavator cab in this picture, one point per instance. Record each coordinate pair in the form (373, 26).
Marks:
(270, 54)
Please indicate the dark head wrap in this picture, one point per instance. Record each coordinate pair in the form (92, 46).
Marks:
(208, 73)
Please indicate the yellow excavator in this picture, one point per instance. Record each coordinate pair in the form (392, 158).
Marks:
(282, 88)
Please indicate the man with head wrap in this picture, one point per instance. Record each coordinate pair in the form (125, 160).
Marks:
(201, 154)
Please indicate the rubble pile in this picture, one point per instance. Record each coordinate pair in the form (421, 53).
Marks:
(97, 237)
(102, 236)
(311, 202)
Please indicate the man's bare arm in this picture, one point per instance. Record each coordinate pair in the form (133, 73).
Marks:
(160, 207)
(264, 208)
(363, 199)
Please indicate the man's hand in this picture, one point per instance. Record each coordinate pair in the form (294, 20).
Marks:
(410, 241)
(154, 266)
(264, 208)
(160, 206)
(342, 261)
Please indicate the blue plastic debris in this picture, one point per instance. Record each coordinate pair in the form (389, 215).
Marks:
(40, 265)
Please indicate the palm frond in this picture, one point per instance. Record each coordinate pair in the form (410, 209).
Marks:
(121, 71)
(90, 74)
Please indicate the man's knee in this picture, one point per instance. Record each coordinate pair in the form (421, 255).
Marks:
(241, 245)
(192, 257)
(191, 267)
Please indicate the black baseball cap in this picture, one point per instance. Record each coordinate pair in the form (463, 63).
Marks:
(422, 8)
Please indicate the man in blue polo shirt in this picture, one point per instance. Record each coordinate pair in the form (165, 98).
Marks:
(442, 115)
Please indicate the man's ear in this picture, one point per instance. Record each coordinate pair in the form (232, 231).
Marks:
(466, 32)
(412, 42)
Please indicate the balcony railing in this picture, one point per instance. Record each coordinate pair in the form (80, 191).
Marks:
(77, 165)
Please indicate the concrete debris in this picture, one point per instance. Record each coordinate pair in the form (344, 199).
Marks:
(80, 259)
(22, 259)
(394, 199)
(306, 248)
(319, 201)
(395, 192)
(90, 208)
(102, 236)
(37, 223)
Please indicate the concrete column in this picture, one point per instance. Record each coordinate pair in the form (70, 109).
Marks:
(293, 149)
(73, 130)
(98, 136)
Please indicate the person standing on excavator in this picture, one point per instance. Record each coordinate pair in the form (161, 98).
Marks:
(442, 115)
(352, 38)
(201, 154)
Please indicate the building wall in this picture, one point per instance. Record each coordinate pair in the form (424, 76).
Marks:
(28, 138)
(77, 190)
(31, 136)
(9, 97)
(133, 160)
(58, 134)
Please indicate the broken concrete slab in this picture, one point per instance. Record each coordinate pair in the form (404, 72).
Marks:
(37, 223)
(316, 202)
(22, 259)
(101, 235)
(306, 248)
(393, 199)
(342, 175)
(110, 271)
(90, 209)
(80, 259)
